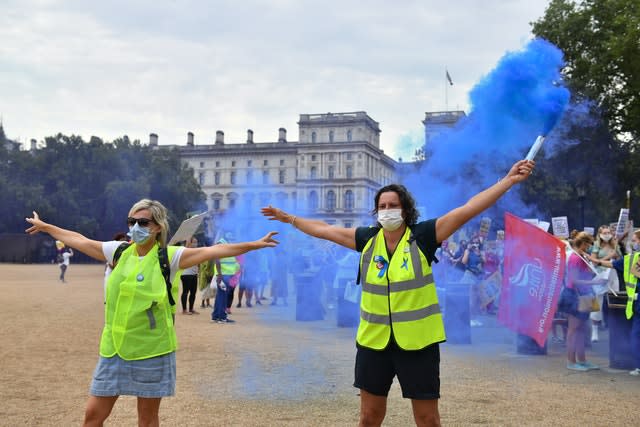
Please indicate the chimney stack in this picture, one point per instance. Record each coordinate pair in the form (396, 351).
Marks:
(282, 135)
(190, 139)
(249, 136)
(34, 145)
(219, 137)
(153, 139)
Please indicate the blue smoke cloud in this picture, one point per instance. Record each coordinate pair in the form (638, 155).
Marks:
(523, 97)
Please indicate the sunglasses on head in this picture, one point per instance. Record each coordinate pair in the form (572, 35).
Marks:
(143, 222)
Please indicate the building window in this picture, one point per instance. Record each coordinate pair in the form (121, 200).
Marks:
(249, 162)
(314, 137)
(265, 163)
(331, 200)
(233, 163)
(232, 203)
(201, 164)
(281, 177)
(313, 157)
(331, 172)
(249, 177)
(265, 177)
(314, 172)
(349, 135)
(281, 162)
(216, 204)
(349, 156)
(313, 201)
(217, 163)
(233, 178)
(348, 200)
(348, 224)
(216, 178)
(332, 157)
(201, 178)
(331, 133)
(349, 172)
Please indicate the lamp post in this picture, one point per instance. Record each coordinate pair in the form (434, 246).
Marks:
(581, 196)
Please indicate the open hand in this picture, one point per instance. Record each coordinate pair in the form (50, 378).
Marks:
(37, 224)
(275, 214)
(268, 241)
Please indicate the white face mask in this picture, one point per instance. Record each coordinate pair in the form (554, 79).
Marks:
(605, 237)
(390, 219)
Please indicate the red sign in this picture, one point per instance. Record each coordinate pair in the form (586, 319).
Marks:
(534, 267)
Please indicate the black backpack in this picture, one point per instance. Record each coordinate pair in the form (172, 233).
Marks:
(163, 259)
(59, 258)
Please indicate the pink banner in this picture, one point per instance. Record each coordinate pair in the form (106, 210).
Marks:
(534, 268)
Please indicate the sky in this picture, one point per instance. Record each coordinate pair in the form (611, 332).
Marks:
(138, 67)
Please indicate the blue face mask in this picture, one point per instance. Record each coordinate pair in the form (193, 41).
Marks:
(138, 234)
(635, 247)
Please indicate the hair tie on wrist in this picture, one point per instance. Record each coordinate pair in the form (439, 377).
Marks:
(293, 220)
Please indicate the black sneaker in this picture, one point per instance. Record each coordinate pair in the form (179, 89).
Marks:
(227, 320)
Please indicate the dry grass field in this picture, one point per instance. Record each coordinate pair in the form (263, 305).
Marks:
(269, 370)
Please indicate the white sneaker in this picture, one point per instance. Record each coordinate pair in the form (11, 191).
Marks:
(635, 372)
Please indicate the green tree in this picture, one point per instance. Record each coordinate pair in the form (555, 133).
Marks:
(600, 41)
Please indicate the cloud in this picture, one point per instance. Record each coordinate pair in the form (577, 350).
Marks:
(114, 68)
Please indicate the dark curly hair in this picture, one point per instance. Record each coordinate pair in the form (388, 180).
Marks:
(407, 202)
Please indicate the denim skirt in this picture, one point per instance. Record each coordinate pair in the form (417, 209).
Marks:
(152, 378)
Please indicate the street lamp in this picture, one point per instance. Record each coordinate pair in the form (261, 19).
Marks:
(581, 196)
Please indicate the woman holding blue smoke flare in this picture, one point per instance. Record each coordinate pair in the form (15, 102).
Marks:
(138, 344)
(400, 321)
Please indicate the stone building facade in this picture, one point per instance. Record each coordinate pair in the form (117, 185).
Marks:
(331, 173)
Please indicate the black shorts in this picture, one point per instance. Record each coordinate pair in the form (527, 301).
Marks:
(418, 371)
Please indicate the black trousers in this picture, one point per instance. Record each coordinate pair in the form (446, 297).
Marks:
(189, 288)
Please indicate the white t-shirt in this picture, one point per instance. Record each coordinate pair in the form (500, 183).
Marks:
(65, 258)
(109, 248)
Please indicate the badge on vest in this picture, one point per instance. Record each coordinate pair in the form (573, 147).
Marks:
(140, 277)
(381, 264)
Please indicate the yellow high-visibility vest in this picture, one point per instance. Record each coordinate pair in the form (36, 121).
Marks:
(630, 282)
(138, 315)
(228, 265)
(398, 296)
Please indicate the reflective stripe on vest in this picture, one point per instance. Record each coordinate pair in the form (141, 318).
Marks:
(398, 296)
(138, 315)
(630, 282)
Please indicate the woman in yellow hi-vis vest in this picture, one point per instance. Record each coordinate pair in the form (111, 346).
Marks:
(629, 265)
(137, 349)
(400, 320)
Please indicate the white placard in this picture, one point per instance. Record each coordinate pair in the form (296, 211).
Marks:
(560, 226)
(623, 219)
(187, 229)
(544, 225)
(590, 230)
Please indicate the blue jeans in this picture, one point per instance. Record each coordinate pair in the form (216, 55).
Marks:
(220, 303)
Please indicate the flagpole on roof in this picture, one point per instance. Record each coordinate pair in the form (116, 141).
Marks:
(447, 82)
(446, 91)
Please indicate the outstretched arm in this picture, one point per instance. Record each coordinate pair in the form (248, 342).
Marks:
(193, 256)
(447, 224)
(343, 236)
(92, 248)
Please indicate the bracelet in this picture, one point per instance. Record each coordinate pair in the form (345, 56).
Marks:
(293, 221)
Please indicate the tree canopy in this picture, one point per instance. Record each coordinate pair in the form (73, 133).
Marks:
(601, 43)
(90, 186)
